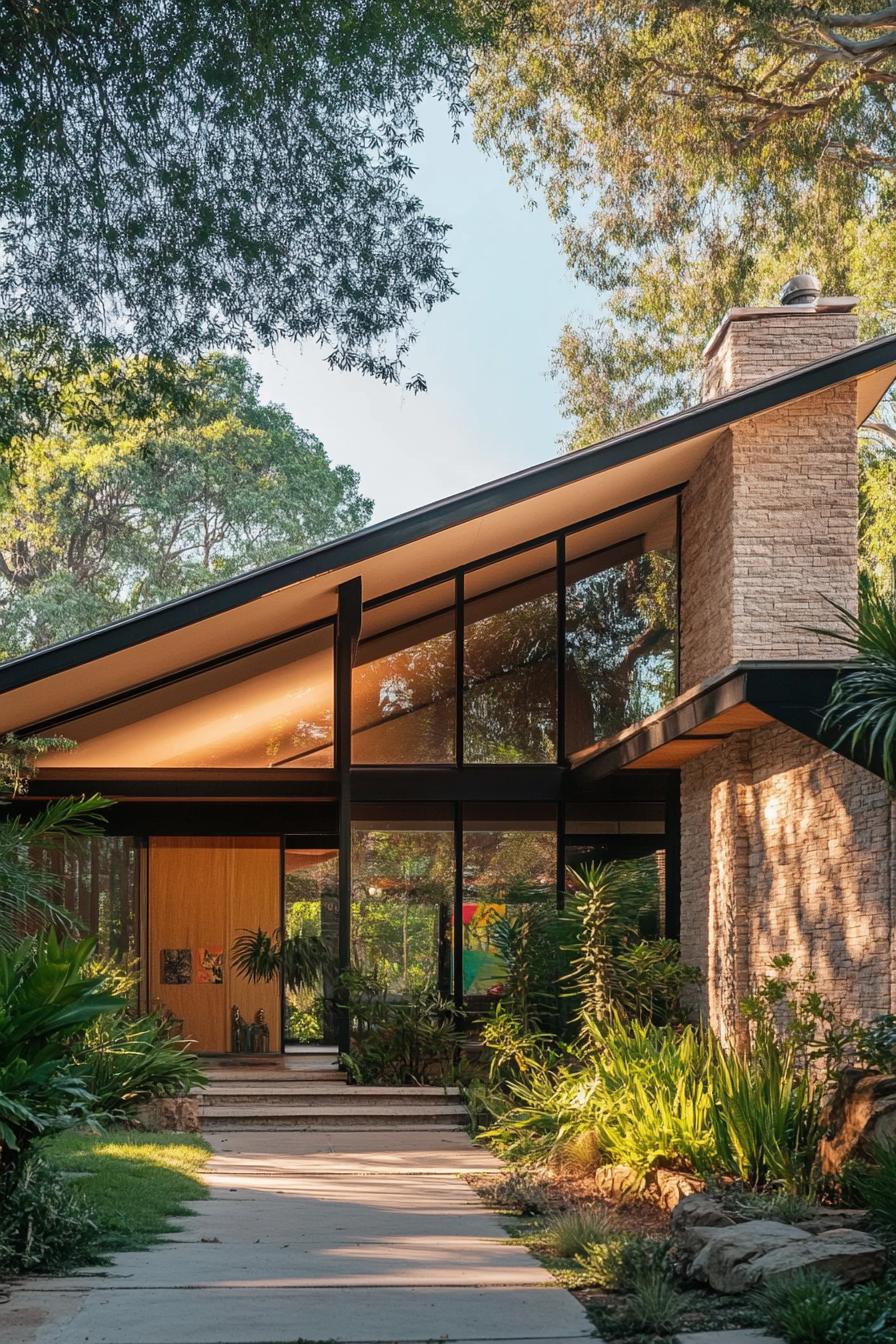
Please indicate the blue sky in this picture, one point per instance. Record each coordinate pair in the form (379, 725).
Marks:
(491, 406)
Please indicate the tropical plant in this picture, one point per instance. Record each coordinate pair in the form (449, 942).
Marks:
(45, 1224)
(527, 936)
(876, 1043)
(511, 1049)
(615, 968)
(126, 1060)
(47, 1003)
(28, 892)
(862, 707)
(412, 1041)
(298, 961)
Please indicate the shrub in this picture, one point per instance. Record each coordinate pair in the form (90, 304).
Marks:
(778, 1205)
(623, 1260)
(568, 1235)
(45, 1225)
(806, 1307)
(654, 1305)
(409, 1042)
(877, 1043)
(129, 1060)
(521, 1192)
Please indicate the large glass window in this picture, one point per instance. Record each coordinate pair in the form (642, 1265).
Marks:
(97, 881)
(270, 708)
(403, 685)
(510, 866)
(620, 632)
(402, 897)
(510, 660)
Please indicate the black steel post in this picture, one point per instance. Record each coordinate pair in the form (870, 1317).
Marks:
(348, 630)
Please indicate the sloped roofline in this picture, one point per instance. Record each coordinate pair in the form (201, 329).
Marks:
(629, 446)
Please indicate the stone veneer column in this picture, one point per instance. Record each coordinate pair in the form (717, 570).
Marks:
(785, 847)
(769, 519)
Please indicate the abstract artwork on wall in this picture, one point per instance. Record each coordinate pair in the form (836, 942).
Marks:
(210, 966)
(177, 966)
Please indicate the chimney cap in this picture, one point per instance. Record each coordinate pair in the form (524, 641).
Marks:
(801, 289)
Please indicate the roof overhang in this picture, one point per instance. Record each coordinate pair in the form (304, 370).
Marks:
(746, 696)
(603, 483)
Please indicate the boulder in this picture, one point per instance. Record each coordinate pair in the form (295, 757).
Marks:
(861, 1113)
(849, 1256)
(169, 1113)
(615, 1182)
(823, 1219)
(727, 1254)
(671, 1187)
(692, 1216)
(737, 1259)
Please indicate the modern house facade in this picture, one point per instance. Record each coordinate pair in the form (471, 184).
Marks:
(609, 655)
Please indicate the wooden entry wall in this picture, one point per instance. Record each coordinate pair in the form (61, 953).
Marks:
(203, 891)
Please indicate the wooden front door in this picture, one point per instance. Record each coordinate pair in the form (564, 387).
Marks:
(203, 891)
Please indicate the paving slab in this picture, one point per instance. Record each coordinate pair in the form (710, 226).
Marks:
(728, 1337)
(357, 1238)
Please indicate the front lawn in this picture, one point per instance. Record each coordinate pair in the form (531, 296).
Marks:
(135, 1183)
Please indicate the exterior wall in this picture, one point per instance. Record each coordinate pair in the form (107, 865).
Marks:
(769, 519)
(787, 848)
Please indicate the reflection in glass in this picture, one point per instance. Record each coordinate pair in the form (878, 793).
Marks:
(402, 892)
(620, 640)
(270, 708)
(311, 907)
(403, 682)
(510, 653)
(506, 872)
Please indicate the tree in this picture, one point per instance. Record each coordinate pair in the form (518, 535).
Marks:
(177, 175)
(101, 523)
(696, 153)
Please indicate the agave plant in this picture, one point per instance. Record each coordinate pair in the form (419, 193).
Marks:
(862, 706)
(297, 961)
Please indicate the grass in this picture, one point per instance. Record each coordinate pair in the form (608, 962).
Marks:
(135, 1183)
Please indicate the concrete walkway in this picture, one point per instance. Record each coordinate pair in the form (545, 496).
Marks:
(361, 1237)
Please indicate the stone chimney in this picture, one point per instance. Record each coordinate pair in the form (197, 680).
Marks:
(769, 519)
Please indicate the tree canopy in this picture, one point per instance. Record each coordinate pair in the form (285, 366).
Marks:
(696, 153)
(178, 175)
(101, 523)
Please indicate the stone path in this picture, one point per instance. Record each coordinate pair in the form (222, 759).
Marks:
(361, 1237)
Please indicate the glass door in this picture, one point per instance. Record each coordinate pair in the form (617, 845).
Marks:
(310, 908)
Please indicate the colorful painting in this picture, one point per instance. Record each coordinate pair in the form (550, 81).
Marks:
(177, 966)
(210, 966)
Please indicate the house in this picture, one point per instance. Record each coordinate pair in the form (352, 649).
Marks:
(611, 654)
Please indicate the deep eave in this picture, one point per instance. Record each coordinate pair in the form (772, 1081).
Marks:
(628, 472)
(745, 696)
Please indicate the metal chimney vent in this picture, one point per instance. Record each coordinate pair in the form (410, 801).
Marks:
(802, 289)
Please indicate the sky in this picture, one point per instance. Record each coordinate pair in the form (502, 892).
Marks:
(491, 406)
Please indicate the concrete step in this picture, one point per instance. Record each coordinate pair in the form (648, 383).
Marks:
(333, 1117)
(314, 1094)
(253, 1078)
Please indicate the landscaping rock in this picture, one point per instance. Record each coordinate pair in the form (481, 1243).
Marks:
(736, 1259)
(615, 1182)
(831, 1220)
(180, 1114)
(850, 1256)
(671, 1187)
(692, 1215)
(861, 1113)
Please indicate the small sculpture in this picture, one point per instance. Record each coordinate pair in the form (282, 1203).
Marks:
(240, 1032)
(259, 1034)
